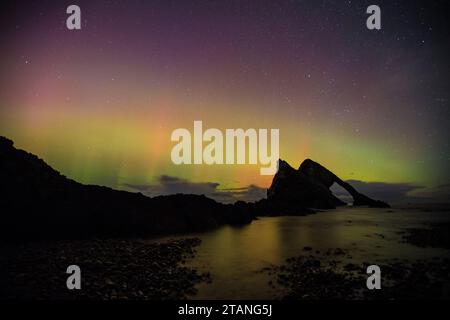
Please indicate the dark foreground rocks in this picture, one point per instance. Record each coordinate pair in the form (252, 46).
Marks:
(329, 276)
(110, 269)
(436, 235)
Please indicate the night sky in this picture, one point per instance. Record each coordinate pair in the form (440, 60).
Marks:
(99, 104)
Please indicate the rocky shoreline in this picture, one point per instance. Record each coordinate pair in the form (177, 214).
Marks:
(436, 235)
(110, 269)
(144, 270)
(317, 275)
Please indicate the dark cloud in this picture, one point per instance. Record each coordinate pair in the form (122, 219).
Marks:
(170, 185)
(394, 193)
(433, 194)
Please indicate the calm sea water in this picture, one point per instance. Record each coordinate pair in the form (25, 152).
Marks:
(235, 255)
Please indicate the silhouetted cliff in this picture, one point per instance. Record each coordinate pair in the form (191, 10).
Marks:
(36, 201)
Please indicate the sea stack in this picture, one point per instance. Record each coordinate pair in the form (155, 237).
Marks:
(309, 187)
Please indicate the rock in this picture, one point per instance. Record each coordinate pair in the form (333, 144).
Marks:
(130, 274)
(306, 278)
(309, 187)
(41, 203)
(435, 235)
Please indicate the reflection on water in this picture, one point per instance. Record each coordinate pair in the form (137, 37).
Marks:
(234, 256)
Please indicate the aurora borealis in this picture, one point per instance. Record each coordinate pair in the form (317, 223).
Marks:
(99, 104)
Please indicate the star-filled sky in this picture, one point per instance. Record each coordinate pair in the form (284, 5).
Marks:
(99, 104)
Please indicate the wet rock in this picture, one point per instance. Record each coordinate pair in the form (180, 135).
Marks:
(111, 269)
(316, 277)
(436, 235)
